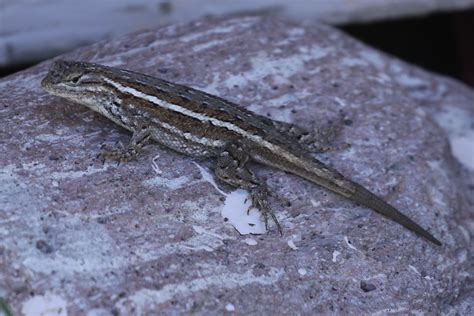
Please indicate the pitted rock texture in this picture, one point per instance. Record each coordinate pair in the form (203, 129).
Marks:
(83, 238)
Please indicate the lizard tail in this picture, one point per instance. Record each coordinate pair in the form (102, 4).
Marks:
(370, 200)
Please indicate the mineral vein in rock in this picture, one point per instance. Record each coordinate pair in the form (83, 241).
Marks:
(201, 125)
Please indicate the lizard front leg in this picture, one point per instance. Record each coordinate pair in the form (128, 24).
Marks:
(231, 168)
(140, 138)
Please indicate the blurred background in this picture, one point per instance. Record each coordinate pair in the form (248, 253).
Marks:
(437, 35)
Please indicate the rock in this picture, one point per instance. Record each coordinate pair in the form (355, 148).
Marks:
(149, 235)
(36, 30)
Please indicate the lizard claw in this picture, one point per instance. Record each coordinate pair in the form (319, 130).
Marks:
(259, 197)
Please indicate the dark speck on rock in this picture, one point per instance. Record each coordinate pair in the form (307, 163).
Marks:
(260, 265)
(367, 287)
(102, 220)
(43, 246)
(162, 70)
(348, 122)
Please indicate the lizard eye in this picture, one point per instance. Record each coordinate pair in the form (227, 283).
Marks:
(74, 78)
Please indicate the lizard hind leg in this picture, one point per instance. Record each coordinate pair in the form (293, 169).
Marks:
(231, 168)
(318, 140)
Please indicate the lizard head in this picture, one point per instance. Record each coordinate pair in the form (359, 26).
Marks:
(80, 82)
(63, 74)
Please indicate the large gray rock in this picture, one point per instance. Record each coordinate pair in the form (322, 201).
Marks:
(32, 30)
(80, 237)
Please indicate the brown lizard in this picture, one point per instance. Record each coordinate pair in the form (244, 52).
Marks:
(201, 125)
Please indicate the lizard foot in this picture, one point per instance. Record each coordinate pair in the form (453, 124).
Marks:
(259, 198)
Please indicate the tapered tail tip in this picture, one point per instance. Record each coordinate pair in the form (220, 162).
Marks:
(435, 241)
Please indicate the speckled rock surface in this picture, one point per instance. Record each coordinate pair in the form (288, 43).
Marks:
(33, 30)
(78, 237)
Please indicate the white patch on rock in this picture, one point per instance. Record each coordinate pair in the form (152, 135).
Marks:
(414, 270)
(462, 256)
(409, 81)
(458, 124)
(230, 307)
(264, 65)
(302, 271)
(154, 165)
(349, 244)
(296, 31)
(75, 174)
(235, 208)
(335, 254)
(202, 230)
(292, 245)
(350, 62)
(235, 211)
(463, 149)
(70, 258)
(144, 299)
(45, 305)
(465, 233)
(208, 177)
(207, 241)
(373, 57)
(250, 241)
(244, 23)
(315, 203)
(98, 312)
(172, 184)
(387, 311)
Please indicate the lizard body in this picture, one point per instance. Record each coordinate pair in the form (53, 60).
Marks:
(201, 125)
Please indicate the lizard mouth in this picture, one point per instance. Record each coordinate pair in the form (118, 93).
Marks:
(53, 77)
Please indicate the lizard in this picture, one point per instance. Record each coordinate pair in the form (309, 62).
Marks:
(201, 125)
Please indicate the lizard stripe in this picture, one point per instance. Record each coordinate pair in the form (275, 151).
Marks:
(229, 126)
(189, 136)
